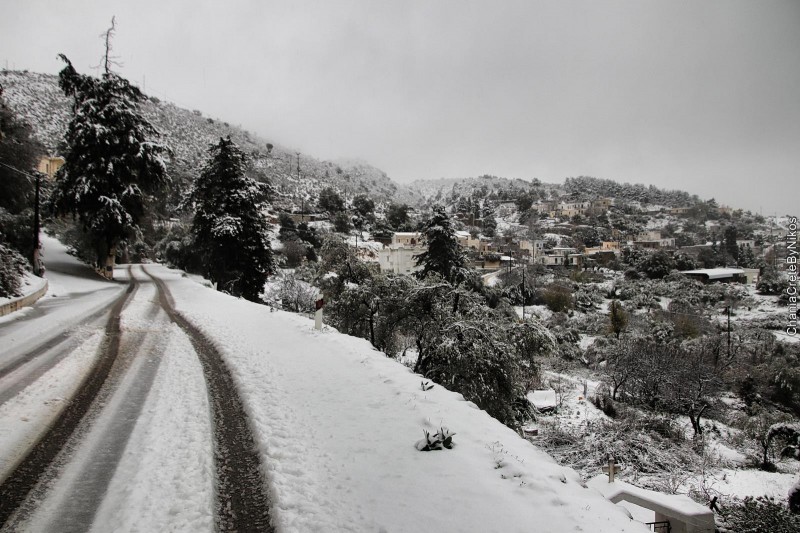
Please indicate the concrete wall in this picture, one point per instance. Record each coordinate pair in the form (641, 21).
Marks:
(25, 301)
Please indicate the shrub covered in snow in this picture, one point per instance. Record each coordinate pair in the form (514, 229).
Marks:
(557, 296)
(12, 267)
(757, 515)
(441, 439)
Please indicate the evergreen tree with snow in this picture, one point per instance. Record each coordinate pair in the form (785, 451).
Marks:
(443, 256)
(229, 227)
(112, 162)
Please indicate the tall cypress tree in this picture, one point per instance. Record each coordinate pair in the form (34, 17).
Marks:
(443, 255)
(229, 227)
(112, 163)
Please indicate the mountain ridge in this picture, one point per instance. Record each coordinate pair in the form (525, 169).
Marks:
(37, 98)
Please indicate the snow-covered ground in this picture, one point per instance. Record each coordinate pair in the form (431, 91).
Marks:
(335, 423)
(730, 478)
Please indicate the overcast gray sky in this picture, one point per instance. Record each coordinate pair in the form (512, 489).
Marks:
(696, 95)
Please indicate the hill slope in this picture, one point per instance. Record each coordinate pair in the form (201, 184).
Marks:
(37, 98)
(338, 421)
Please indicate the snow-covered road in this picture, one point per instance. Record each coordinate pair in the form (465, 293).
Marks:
(134, 423)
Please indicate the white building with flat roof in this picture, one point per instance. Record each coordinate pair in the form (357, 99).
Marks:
(398, 257)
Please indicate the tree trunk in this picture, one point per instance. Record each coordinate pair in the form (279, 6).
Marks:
(372, 328)
(418, 364)
(108, 269)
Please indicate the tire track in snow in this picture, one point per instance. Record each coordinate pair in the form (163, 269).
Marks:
(64, 340)
(16, 487)
(138, 361)
(242, 501)
(38, 361)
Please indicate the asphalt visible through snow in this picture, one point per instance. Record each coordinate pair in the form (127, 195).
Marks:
(83, 447)
(32, 469)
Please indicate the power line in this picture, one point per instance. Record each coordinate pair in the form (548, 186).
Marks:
(15, 169)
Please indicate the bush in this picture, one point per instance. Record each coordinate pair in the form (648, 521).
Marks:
(294, 295)
(557, 297)
(12, 267)
(605, 404)
(755, 515)
(294, 252)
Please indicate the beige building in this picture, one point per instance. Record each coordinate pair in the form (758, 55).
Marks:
(570, 209)
(605, 246)
(602, 204)
(49, 165)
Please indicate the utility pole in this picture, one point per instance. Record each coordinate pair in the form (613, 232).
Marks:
(728, 312)
(523, 291)
(303, 197)
(36, 226)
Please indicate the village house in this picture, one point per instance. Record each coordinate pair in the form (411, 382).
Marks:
(505, 209)
(544, 208)
(570, 209)
(605, 253)
(473, 244)
(398, 257)
(49, 165)
(653, 240)
(602, 204)
(531, 249)
(561, 257)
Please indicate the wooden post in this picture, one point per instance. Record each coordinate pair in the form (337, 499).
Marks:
(611, 469)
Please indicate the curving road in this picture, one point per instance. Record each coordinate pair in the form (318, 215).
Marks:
(90, 466)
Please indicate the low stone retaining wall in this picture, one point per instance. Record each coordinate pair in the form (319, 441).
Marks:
(24, 301)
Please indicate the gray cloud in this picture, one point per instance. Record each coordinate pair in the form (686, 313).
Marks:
(700, 96)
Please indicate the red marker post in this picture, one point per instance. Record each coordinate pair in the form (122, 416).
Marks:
(318, 315)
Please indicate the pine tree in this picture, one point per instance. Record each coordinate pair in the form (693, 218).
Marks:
(112, 163)
(489, 222)
(229, 227)
(443, 256)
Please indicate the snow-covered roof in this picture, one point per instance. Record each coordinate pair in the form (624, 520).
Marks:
(543, 399)
(715, 273)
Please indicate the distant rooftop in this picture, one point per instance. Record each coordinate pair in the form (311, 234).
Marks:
(715, 273)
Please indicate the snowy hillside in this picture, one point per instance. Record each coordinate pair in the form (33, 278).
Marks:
(38, 99)
(439, 189)
(338, 422)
